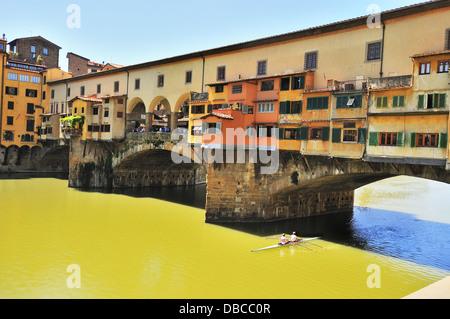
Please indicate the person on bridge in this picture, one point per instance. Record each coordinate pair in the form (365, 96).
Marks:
(294, 238)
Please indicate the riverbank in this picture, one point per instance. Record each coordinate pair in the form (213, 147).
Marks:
(438, 290)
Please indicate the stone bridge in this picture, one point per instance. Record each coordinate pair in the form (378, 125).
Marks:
(301, 186)
(142, 159)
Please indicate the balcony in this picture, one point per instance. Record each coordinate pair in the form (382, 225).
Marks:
(390, 82)
(72, 131)
(349, 86)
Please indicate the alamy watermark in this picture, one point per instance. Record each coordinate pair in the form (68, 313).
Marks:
(238, 144)
(74, 279)
(374, 19)
(374, 279)
(74, 19)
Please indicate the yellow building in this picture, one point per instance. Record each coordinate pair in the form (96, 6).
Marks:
(409, 115)
(21, 103)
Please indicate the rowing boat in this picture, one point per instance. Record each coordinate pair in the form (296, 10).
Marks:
(288, 244)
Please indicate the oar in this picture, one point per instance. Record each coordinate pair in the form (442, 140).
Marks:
(313, 244)
(305, 247)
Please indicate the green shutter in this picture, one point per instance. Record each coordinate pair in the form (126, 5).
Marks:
(283, 107)
(336, 138)
(204, 127)
(441, 102)
(400, 139)
(325, 134)
(358, 101)
(412, 140)
(341, 102)
(443, 140)
(385, 101)
(299, 134)
(281, 134)
(362, 132)
(395, 101)
(379, 101)
(304, 133)
(302, 82)
(401, 101)
(421, 104)
(374, 138)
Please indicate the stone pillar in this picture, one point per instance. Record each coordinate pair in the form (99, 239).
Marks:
(148, 121)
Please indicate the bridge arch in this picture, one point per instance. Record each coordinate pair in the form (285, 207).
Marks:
(160, 112)
(136, 114)
(181, 111)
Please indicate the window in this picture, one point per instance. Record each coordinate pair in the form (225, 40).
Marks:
(82, 90)
(8, 136)
(266, 131)
(30, 108)
(52, 94)
(99, 88)
(219, 88)
(33, 49)
(35, 79)
(388, 139)
(13, 76)
(11, 90)
(9, 120)
(427, 140)
(285, 84)
(106, 128)
(197, 109)
(45, 51)
(291, 107)
(266, 107)
(315, 134)
(188, 78)
(290, 134)
(44, 95)
(160, 80)
(106, 113)
(349, 101)
(95, 111)
(236, 89)
(24, 78)
(2, 47)
(374, 51)
(31, 93)
(116, 86)
(68, 92)
(262, 67)
(267, 85)
(250, 131)
(424, 68)
(311, 60)
(430, 101)
(398, 101)
(443, 66)
(317, 103)
(30, 125)
(10, 105)
(298, 82)
(382, 101)
(221, 73)
(119, 115)
(107, 101)
(447, 39)
(137, 84)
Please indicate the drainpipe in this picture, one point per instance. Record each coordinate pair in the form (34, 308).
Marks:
(382, 48)
(126, 104)
(2, 93)
(203, 72)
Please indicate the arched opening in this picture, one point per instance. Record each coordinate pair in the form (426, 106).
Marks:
(181, 112)
(136, 115)
(161, 115)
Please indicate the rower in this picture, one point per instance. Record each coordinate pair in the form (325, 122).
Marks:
(294, 237)
(283, 240)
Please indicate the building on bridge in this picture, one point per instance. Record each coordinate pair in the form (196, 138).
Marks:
(324, 90)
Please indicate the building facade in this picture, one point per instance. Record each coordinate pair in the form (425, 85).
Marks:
(36, 50)
(338, 90)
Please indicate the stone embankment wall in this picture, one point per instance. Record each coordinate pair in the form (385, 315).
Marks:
(36, 159)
